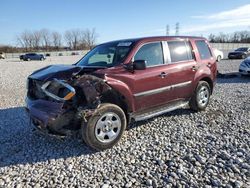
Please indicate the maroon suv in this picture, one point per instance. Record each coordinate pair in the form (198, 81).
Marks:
(120, 81)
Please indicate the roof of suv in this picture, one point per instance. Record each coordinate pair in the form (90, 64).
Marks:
(158, 38)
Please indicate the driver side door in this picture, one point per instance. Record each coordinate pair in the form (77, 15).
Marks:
(150, 88)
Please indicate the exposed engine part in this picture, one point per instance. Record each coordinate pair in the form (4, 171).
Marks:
(93, 88)
(84, 114)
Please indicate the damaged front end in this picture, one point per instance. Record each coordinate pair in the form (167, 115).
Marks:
(59, 106)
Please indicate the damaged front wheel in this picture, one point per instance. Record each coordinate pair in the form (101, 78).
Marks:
(105, 127)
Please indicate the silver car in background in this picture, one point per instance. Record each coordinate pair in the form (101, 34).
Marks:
(244, 68)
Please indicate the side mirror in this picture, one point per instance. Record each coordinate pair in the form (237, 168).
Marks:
(139, 64)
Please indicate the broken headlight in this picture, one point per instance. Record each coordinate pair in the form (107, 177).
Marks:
(58, 89)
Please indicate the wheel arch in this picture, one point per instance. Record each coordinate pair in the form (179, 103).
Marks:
(114, 97)
(92, 91)
(209, 81)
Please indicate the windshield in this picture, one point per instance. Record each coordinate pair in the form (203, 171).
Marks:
(106, 55)
(241, 50)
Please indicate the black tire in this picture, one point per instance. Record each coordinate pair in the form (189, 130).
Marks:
(88, 130)
(194, 102)
(42, 59)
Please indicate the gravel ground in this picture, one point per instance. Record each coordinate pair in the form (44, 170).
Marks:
(181, 148)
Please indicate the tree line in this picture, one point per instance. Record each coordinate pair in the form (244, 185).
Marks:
(46, 40)
(235, 37)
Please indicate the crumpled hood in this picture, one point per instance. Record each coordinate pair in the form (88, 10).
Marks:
(63, 72)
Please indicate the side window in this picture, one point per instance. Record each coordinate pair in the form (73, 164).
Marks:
(179, 51)
(203, 49)
(152, 53)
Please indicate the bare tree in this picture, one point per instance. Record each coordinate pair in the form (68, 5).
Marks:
(244, 36)
(46, 38)
(212, 38)
(56, 39)
(72, 38)
(76, 38)
(20, 41)
(36, 39)
(25, 39)
(238, 36)
(90, 37)
(68, 39)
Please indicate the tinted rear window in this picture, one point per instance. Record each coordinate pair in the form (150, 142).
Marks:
(203, 49)
(179, 51)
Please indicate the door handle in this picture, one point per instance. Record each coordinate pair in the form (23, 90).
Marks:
(163, 75)
(194, 68)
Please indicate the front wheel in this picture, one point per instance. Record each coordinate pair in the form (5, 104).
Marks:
(201, 96)
(105, 127)
(218, 58)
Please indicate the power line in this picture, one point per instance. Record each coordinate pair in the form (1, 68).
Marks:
(167, 30)
(177, 28)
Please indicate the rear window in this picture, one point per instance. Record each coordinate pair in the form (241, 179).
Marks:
(179, 51)
(203, 49)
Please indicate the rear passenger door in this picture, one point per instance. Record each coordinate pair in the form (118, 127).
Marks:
(181, 68)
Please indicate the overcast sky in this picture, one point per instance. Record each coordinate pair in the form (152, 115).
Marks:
(116, 19)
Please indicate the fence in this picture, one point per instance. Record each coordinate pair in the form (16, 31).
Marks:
(229, 46)
(225, 47)
(63, 53)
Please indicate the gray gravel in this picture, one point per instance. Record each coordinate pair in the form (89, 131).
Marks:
(181, 148)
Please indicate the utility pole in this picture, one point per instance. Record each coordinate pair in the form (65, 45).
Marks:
(177, 28)
(167, 30)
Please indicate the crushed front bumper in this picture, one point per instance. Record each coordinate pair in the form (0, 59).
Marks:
(49, 117)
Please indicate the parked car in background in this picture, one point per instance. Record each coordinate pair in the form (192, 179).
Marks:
(240, 53)
(244, 68)
(47, 55)
(75, 53)
(60, 54)
(32, 56)
(119, 82)
(2, 55)
(218, 54)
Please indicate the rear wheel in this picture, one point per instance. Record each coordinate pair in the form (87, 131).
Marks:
(218, 58)
(200, 98)
(105, 127)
